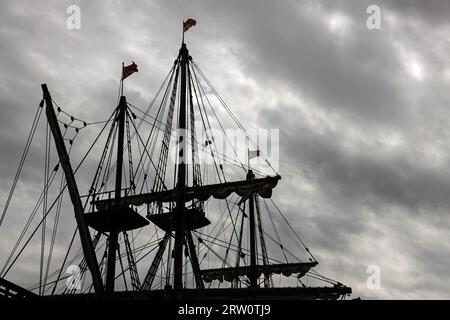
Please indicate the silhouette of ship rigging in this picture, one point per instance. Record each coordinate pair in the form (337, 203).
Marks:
(202, 238)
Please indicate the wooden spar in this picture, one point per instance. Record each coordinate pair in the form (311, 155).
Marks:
(147, 285)
(86, 241)
(181, 179)
(232, 273)
(261, 186)
(113, 235)
(194, 261)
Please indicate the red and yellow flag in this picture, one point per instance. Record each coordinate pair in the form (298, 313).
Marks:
(188, 23)
(129, 70)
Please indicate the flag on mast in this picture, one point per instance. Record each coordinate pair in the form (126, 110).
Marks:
(253, 154)
(129, 70)
(188, 24)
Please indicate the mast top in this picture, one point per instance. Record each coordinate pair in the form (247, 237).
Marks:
(184, 52)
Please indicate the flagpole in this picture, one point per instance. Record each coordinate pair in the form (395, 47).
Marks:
(182, 38)
(121, 80)
(248, 152)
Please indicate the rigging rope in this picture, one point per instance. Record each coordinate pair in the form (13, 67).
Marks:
(235, 119)
(22, 159)
(5, 268)
(44, 205)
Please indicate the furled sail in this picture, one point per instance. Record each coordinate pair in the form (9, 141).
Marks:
(262, 186)
(230, 274)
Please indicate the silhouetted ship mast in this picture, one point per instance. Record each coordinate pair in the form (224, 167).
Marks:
(107, 219)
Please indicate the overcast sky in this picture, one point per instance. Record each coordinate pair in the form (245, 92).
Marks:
(364, 115)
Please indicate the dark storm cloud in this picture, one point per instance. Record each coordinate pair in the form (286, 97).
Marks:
(430, 11)
(395, 179)
(375, 156)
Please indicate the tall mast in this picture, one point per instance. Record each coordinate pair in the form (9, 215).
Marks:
(86, 241)
(181, 179)
(113, 235)
(251, 206)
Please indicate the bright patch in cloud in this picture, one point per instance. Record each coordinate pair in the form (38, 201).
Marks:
(411, 62)
(415, 69)
(338, 23)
